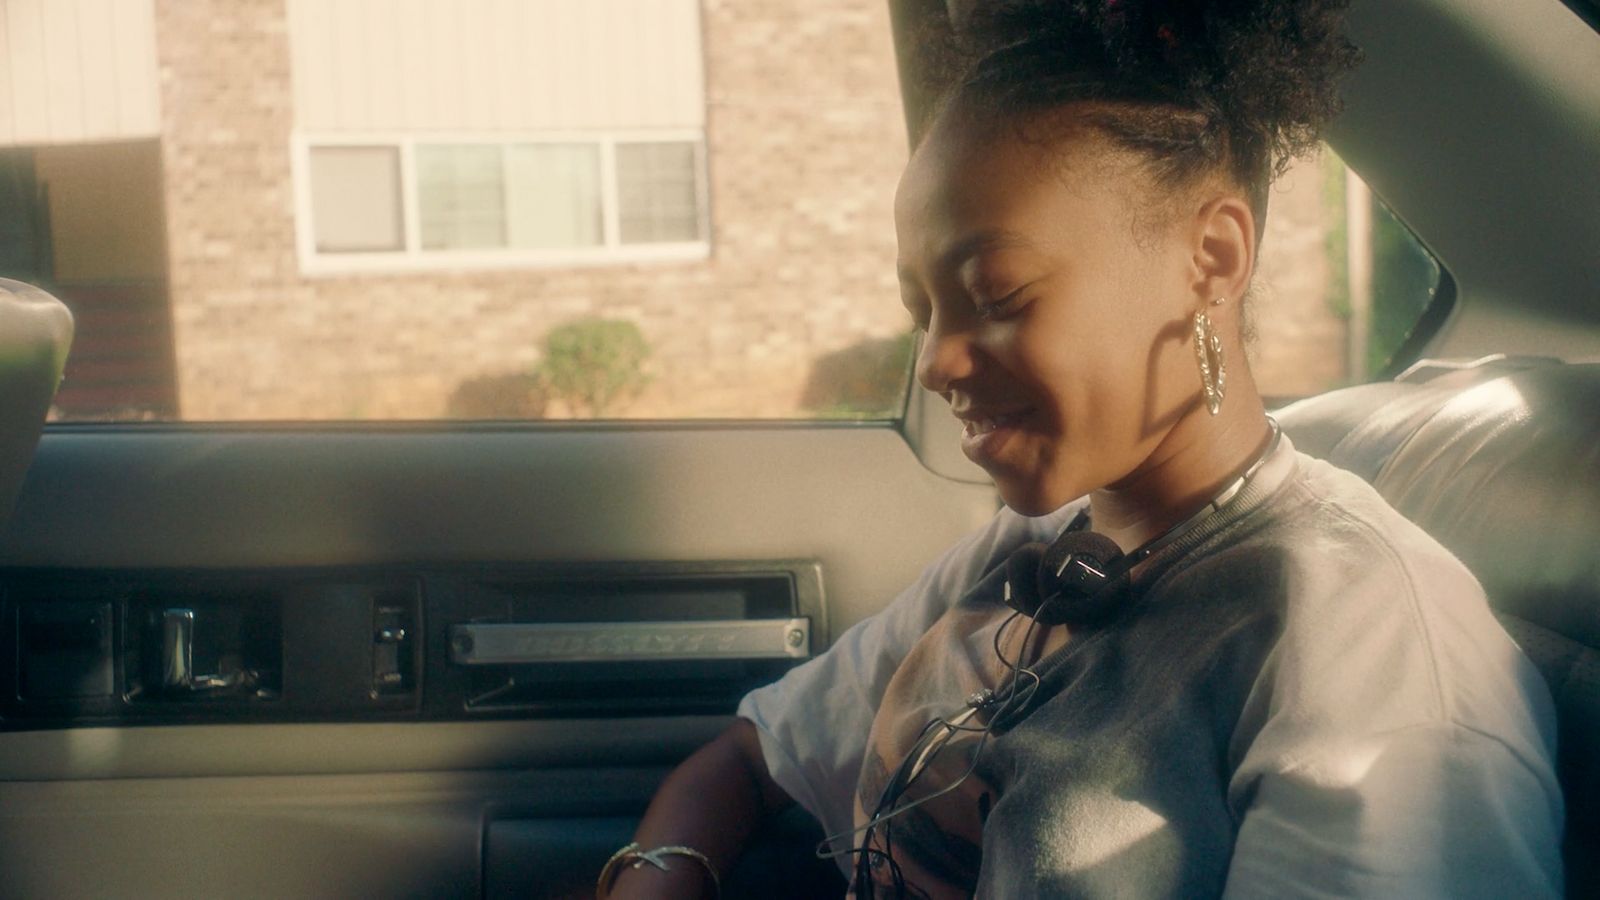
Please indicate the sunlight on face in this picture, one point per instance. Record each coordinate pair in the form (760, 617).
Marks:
(1057, 316)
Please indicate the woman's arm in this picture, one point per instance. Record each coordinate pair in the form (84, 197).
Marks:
(819, 713)
(712, 803)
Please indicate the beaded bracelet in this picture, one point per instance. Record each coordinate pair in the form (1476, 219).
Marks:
(632, 857)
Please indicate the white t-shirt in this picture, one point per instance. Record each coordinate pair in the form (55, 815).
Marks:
(1310, 697)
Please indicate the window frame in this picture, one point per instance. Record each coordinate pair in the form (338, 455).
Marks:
(414, 258)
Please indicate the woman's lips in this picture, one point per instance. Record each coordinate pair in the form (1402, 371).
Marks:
(984, 437)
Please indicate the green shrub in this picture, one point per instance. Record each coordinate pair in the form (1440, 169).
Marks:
(593, 363)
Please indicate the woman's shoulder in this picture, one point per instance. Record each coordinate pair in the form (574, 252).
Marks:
(1325, 507)
(1348, 548)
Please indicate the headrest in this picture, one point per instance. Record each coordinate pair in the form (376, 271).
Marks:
(35, 334)
(1507, 475)
(1499, 461)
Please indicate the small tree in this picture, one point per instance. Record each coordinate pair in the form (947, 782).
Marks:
(592, 363)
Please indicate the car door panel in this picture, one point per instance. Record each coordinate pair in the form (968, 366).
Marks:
(403, 804)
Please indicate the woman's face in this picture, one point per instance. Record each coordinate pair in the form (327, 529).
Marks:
(1058, 309)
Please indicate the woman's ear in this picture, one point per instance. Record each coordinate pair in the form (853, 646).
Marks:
(1224, 248)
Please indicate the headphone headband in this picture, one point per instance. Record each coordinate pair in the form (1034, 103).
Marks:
(1082, 576)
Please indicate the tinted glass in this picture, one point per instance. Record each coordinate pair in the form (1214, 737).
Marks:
(312, 210)
(1339, 284)
(638, 209)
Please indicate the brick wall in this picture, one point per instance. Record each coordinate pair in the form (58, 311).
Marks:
(805, 144)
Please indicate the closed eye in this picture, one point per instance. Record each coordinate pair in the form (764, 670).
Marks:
(999, 309)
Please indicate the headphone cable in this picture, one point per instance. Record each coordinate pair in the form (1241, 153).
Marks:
(919, 758)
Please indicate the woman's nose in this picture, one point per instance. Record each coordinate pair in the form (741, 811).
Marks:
(945, 357)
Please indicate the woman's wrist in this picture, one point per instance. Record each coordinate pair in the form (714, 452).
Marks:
(666, 871)
(706, 809)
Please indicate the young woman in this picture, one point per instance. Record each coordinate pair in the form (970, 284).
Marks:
(1234, 669)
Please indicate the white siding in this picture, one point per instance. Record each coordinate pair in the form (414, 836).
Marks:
(496, 65)
(77, 70)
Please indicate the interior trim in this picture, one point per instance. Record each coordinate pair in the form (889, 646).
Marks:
(854, 499)
(215, 751)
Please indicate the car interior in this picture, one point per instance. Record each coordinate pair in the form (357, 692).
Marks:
(454, 660)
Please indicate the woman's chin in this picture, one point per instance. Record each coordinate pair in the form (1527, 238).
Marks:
(1029, 498)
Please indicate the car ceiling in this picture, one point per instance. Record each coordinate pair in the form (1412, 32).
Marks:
(1478, 122)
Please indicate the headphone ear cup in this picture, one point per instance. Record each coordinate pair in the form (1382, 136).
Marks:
(1083, 576)
(1022, 576)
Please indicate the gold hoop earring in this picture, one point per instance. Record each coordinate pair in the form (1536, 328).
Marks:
(1213, 367)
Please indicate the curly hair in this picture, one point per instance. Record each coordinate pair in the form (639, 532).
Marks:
(1194, 86)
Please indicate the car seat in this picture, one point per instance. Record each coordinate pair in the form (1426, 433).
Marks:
(1499, 460)
(35, 334)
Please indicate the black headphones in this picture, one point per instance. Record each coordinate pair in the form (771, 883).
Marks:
(1079, 578)
(1082, 578)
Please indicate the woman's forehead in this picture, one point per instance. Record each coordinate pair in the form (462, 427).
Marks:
(967, 177)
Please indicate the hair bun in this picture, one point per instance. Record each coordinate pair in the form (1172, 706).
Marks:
(1263, 72)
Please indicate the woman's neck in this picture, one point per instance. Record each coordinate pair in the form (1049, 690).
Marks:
(1198, 457)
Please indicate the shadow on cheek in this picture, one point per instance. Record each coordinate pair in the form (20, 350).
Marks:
(1172, 337)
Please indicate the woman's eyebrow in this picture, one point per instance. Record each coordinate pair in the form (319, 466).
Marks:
(981, 241)
(967, 247)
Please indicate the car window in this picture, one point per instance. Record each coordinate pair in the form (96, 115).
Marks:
(1340, 285)
(337, 210)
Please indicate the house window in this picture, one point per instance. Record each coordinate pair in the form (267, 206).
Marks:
(657, 193)
(356, 199)
(553, 195)
(461, 197)
(541, 200)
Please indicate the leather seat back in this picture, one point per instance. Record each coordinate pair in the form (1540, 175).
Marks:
(1500, 462)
